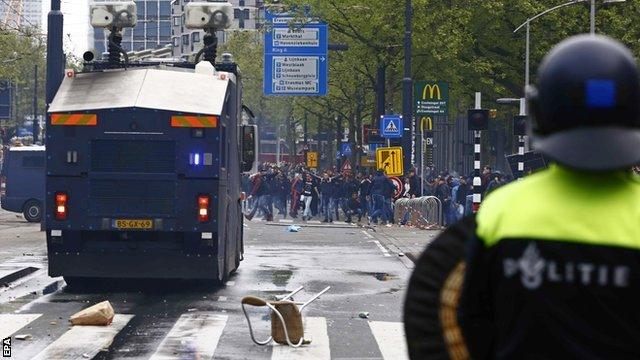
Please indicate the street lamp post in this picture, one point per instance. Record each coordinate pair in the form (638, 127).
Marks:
(527, 24)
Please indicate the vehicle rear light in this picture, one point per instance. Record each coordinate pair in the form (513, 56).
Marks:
(61, 206)
(203, 208)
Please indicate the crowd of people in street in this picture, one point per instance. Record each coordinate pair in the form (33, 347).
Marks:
(296, 192)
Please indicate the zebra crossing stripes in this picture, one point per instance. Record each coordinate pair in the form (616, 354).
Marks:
(82, 342)
(390, 338)
(315, 330)
(195, 335)
(10, 323)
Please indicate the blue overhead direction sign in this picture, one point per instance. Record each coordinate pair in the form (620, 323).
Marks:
(295, 57)
(391, 126)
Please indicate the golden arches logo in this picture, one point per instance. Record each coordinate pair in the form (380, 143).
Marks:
(431, 90)
(426, 123)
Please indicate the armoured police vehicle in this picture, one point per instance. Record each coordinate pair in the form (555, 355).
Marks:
(144, 159)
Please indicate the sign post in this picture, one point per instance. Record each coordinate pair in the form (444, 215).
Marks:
(295, 57)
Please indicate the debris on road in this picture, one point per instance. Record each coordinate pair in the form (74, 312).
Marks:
(294, 228)
(23, 337)
(363, 315)
(100, 314)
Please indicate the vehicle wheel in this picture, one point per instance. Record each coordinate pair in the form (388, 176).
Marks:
(32, 211)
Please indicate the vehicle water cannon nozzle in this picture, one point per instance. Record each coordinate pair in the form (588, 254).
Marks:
(207, 15)
(116, 14)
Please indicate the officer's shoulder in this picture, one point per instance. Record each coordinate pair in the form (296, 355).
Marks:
(510, 194)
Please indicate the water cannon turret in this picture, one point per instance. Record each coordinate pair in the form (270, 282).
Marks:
(209, 17)
(114, 17)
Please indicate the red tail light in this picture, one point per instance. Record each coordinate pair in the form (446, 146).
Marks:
(61, 206)
(203, 208)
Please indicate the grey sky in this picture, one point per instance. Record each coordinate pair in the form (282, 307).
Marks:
(76, 24)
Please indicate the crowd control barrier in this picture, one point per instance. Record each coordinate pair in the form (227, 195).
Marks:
(420, 212)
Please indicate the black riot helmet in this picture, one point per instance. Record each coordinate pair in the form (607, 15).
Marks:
(587, 105)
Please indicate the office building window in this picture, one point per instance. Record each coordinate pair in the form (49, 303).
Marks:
(185, 39)
(195, 37)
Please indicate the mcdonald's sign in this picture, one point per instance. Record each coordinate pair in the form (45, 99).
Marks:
(431, 98)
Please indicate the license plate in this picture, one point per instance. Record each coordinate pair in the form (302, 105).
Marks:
(133, 224)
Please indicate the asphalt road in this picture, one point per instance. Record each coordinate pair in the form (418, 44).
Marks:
(184, 320)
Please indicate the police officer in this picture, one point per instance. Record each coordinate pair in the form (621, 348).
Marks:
(554, 265)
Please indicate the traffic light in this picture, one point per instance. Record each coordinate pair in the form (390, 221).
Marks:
(478, 119)
(519, 125)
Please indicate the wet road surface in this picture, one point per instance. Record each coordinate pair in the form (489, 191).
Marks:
(185, 320)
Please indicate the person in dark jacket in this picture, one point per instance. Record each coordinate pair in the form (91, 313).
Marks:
(326, 192)
(260, 191)
(381, 187)
(364, 191)
(296, 191)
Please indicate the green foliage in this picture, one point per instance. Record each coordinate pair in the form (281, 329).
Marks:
(20, 51)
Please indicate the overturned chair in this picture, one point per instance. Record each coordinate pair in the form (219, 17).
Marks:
(286, 318)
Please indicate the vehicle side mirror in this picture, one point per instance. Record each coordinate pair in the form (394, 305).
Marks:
(249, 145)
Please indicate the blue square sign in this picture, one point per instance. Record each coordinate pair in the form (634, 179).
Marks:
(391, 126)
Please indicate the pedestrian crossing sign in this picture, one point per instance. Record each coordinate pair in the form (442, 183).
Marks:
(391, 126)
(312, 159)
(389, 160)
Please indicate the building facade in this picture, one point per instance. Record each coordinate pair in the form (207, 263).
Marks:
(21, 13)
(247, 16)
(153, 30)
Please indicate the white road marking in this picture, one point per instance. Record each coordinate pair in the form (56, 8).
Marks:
(10, 323)
(385, 252)
(286, 221)
(390, 339)
(83, 341)
(367, 234)
(315, 330)
(222, 298)
(194, 336)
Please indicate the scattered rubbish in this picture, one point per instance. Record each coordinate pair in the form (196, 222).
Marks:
(53, 323)
(383, 276)
(86, 356)
(99, 314)
(363, 315)
(286, 318)
(192, 310)
(23, 337)
(401, 254)
(294, 228)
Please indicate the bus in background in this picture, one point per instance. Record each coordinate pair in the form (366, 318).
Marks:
(22, 181)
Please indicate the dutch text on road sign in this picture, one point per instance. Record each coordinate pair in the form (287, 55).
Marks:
(296, 37)
(391, 126)
(312, 159)
(390, 160)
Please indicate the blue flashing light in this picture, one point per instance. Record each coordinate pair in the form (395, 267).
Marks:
(196, 159)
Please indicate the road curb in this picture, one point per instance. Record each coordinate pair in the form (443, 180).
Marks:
(312, 225)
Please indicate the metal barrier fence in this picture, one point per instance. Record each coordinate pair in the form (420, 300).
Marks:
(420, 212)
